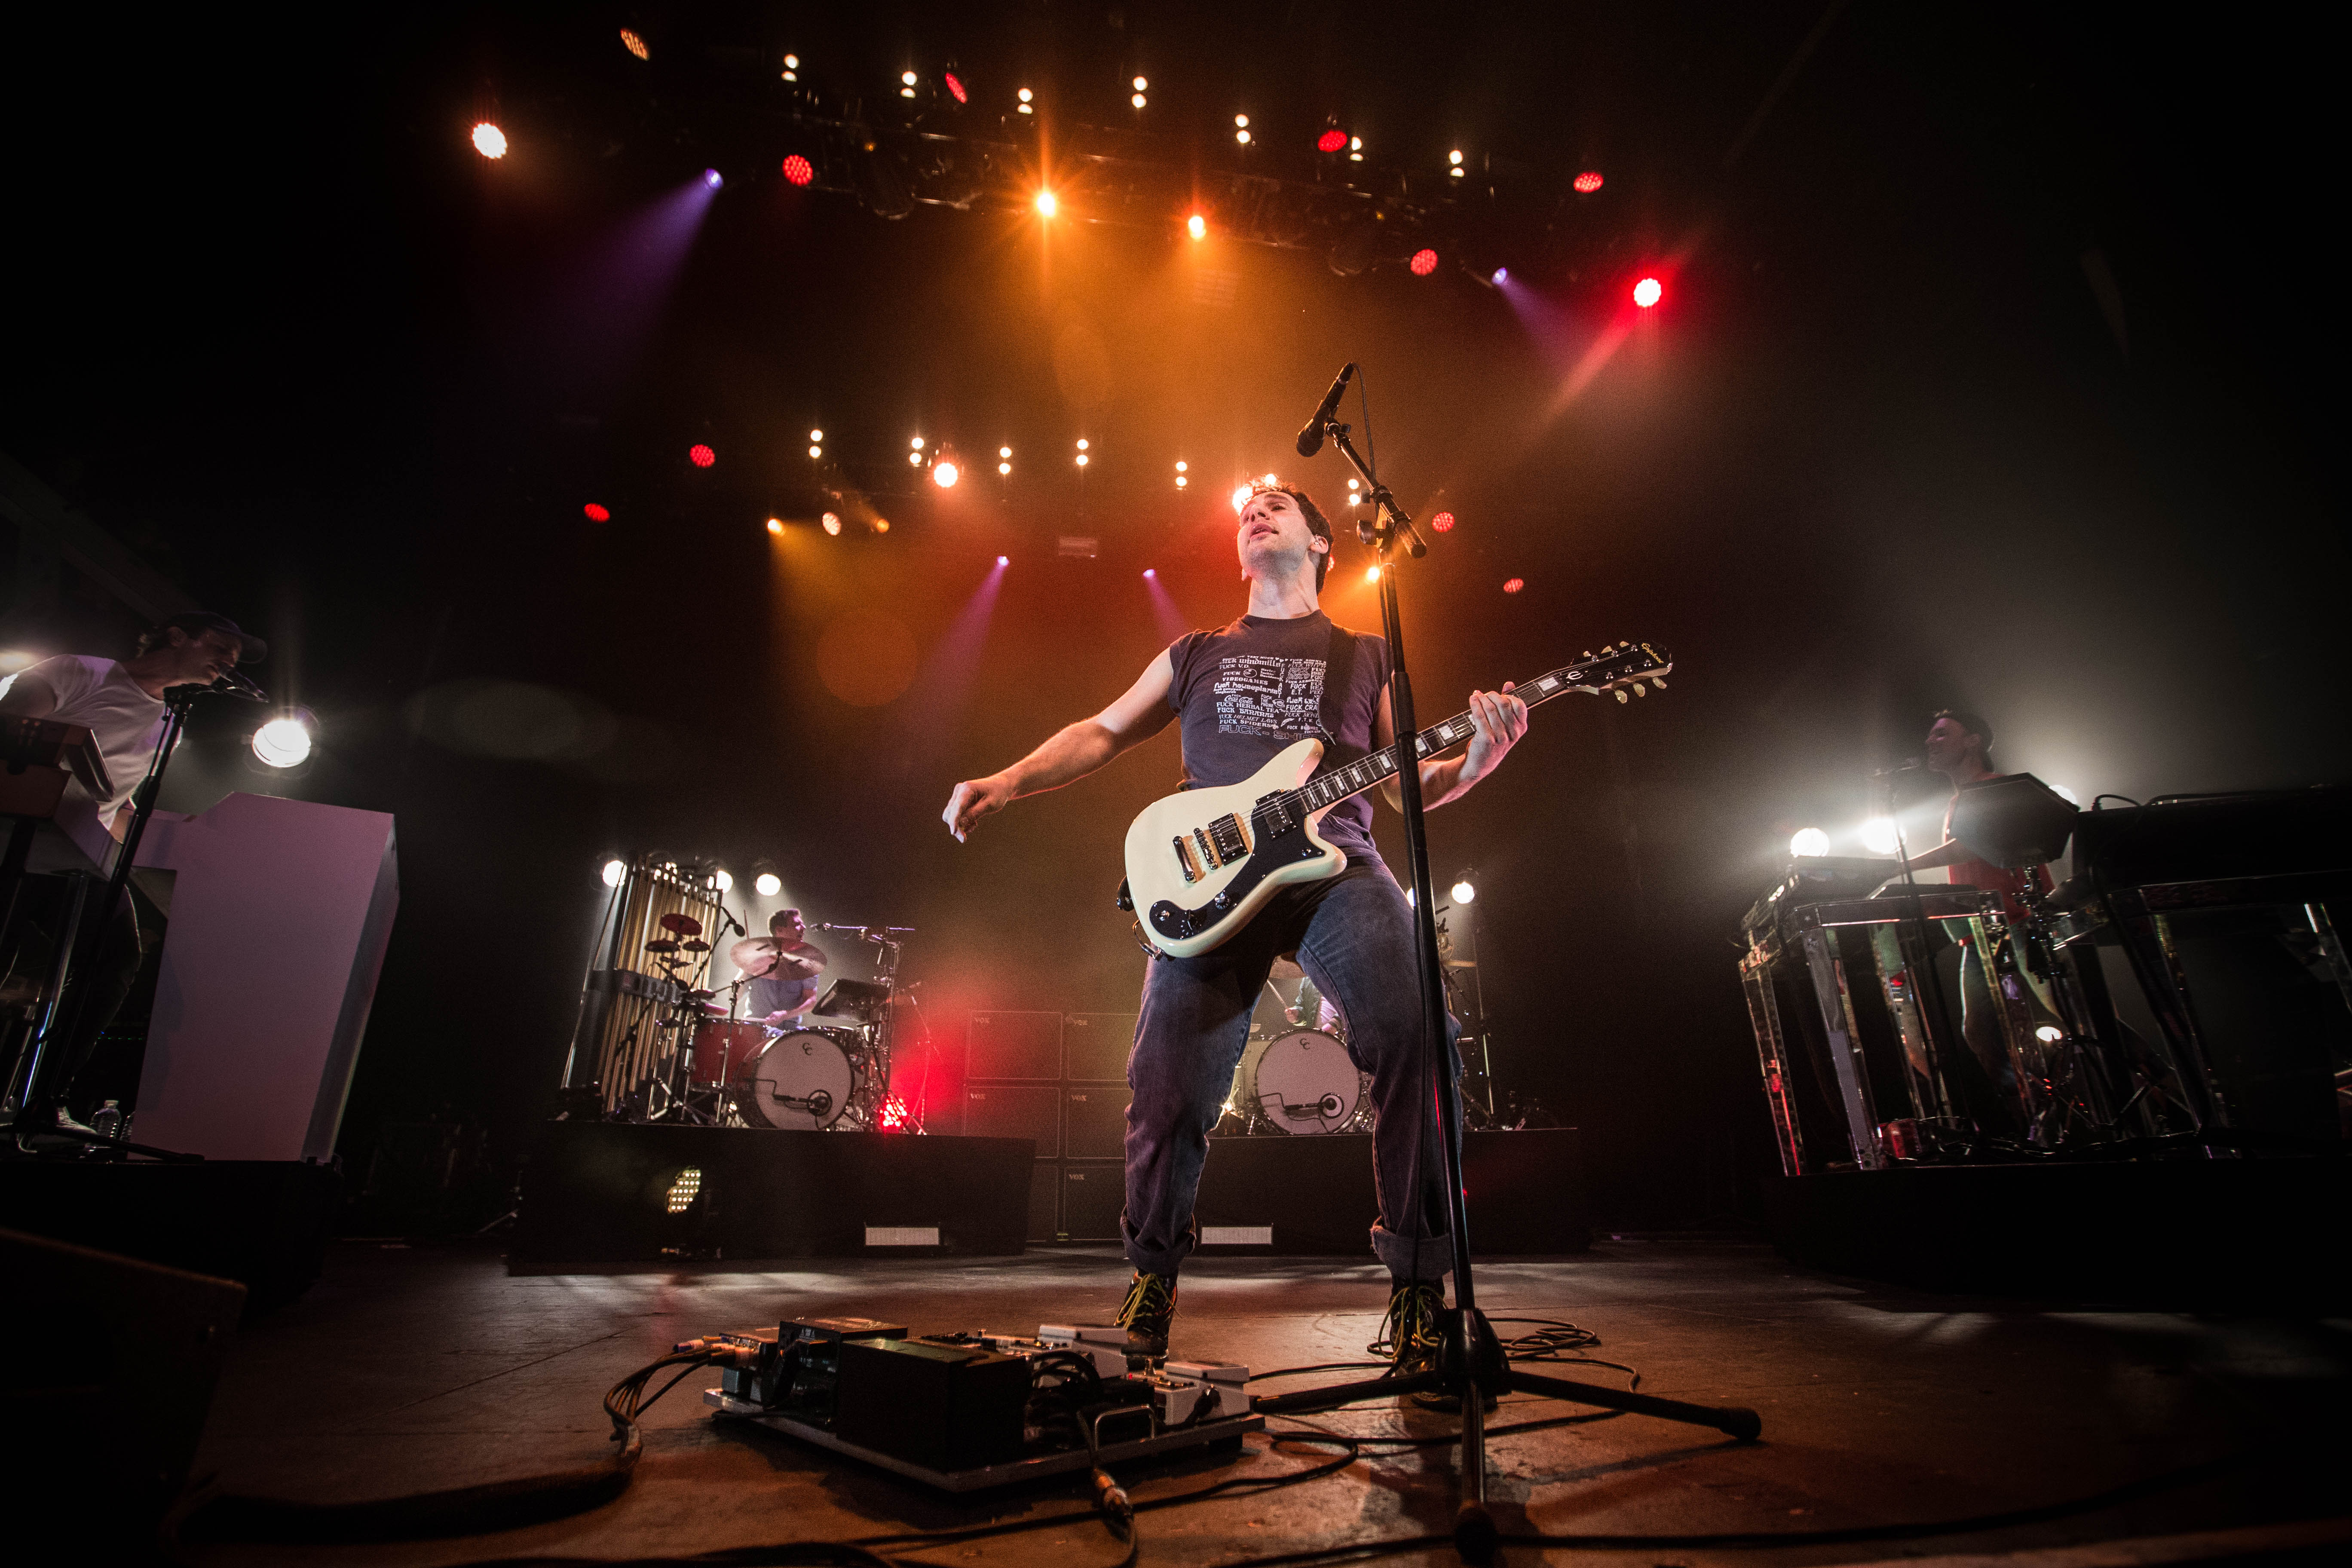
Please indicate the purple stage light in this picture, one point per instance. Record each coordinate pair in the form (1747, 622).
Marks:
(1004, 561)
(711, 177)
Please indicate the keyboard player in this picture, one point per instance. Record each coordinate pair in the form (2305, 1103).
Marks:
(121, 705)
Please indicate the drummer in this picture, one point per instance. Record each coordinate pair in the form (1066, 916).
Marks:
(784, 972)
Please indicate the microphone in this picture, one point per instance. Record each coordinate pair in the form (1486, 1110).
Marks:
(1310, 439)
(1907, 765)
(232, 684)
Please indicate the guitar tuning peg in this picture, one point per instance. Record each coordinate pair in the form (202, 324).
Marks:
(1588, 653)
(1659, 681)
(1621, 694)
(1640, 690)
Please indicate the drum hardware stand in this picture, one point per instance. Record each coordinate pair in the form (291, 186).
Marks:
(1471, 1367)
(87, 948)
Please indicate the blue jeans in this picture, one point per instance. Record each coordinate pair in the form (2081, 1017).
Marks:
(1353, 934)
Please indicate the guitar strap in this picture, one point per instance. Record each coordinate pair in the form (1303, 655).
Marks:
(1339, 679)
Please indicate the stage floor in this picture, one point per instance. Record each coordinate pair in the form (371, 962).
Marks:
(406, 1369)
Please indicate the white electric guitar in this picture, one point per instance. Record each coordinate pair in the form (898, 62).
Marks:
(1200, 862)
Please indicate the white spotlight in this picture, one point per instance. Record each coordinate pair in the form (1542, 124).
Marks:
(768, 884)
(489, 141)
(916, 443)
(944, 474)
(720, 880)
(616, 872)
(1004, 451)
(1809, 841)
(1463, 892)
(1879, 836)
(2068, 795)
(282, 742)
(816, 435)
(1241, 494)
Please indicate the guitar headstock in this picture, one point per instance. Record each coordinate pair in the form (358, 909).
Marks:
(1619, 667)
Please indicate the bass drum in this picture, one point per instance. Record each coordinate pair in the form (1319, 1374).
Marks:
(802, 1082)
(1301, 1081)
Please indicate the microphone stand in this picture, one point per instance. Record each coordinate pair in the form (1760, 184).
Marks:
(1472, 1366)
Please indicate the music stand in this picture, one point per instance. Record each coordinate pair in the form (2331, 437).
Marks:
(1472, 1365)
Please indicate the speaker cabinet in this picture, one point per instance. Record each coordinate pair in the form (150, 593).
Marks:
(1094, 1046)
(1019, 1046)
(1045, 1201)
(1031, 1110)
(1093, 1198)
(1093, 1120)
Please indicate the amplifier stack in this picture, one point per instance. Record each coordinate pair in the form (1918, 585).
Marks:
(1060, 1081)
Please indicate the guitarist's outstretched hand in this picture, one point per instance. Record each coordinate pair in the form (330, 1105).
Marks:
(976, 798)
(1501, 719)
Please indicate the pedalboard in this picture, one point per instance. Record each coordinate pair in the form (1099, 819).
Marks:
(967, 1411)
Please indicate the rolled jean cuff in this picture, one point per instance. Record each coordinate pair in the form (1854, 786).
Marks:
(1435, 1262)
(1146, 1260)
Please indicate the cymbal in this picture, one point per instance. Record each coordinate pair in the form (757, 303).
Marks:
(682, 925)
(661, 947)
(755, 955)
(695, 946)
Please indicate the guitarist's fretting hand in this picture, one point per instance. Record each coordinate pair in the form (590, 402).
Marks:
(1501, 719)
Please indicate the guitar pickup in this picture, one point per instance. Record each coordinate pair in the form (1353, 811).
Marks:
(1232, 841)
(1186, 861)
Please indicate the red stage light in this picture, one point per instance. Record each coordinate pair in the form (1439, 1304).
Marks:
(701, 456)
(1648, 292)
(1332, 141)
(596, 514)
(1424, 263)
(1443, 522)
(1513, 584)
(955, 87)
(799, 170)
(1588, 181)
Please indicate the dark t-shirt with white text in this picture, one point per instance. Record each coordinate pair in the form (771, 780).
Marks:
(1247, 690)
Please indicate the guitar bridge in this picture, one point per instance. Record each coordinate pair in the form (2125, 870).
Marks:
(1186, 861)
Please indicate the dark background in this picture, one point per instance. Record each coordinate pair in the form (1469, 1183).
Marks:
(1988, 375)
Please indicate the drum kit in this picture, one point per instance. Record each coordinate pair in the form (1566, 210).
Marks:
(830, 1070)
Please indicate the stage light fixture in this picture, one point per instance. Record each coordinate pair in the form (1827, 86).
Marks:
(615, 873)
(955, 87)
(1371, 574)
(1879, 836)
(1197, 226)
(775, 525)
(1241, 494)
(832, 523)
(792, 68)
(767, 884)
(712, 178)
(701, 456)
(1150, 572)
(1046, 204)
(1424, 262)
(1004, 451)
(1456, 172)
(1241, 122)
(1003, 467)
(1464, 893)
(1140, 84)
(1455, 157)
(1183, 466)
(1332, 141)
(1647, 292)
(1182, 481)
(1024, 106)
(798, 170)
(1442, 523)
(944, 474)
(916, 443)
(1082, 460)
(596, 513)
(1242, 137)
(816, 451)
(1136, 100)
(489, 141)
(1808, 843)
(916, 458)
(1270, 479)
(634, 45)
(1004, 561)
(907, 79)
(1500, 276)
(684, 1188)
(2049, 1033)
(881, 525)
(720, 880)
(1513, 584)
(816, 435)
(1355, 143)
(1355, 484)
(283, 742)
(1587, 183)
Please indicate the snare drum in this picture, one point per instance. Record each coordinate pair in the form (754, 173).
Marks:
(804, 1081)
(1301, 1081)
(723, 1052)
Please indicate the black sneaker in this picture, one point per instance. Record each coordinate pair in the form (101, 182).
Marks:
(1411, 1336)
(1150, 1308)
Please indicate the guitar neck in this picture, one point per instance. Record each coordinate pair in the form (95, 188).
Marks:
(1378, 767)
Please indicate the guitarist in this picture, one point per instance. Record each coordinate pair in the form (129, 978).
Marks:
(1241, 694)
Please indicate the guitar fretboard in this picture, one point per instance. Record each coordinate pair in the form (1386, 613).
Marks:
(1374, 767)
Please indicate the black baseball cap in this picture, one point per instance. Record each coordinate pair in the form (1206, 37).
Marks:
(250, 650)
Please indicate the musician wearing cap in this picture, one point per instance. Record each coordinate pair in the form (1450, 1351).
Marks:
(121, 702)
(783, 966)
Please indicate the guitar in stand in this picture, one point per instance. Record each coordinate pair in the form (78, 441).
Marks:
(1200, 862)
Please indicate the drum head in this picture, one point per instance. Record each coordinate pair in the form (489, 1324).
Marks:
(1303, 1081)
(802, 1081)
